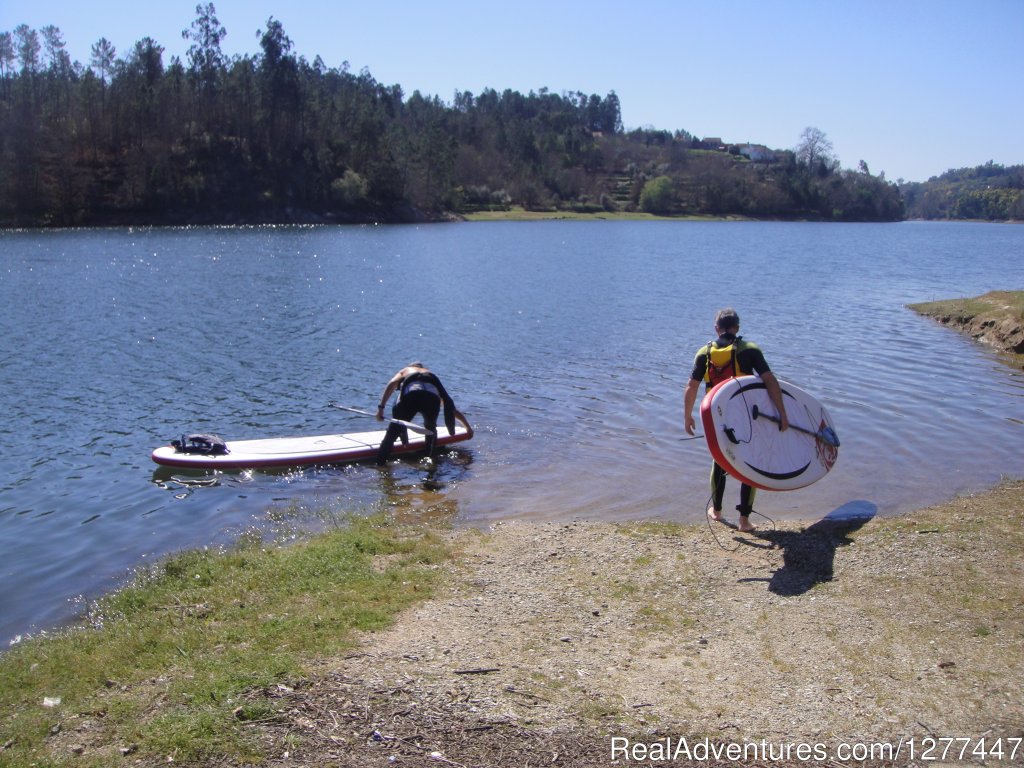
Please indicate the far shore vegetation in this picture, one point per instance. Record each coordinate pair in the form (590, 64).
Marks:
(132, 138)
(518, 213)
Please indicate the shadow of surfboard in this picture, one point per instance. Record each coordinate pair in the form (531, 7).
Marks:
(808, 555)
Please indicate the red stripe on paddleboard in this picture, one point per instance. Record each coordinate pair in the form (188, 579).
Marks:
(713, 440)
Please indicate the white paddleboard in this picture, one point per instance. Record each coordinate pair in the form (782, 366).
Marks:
(740, 425)
(298, 451)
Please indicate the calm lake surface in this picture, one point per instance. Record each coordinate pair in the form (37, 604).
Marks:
(567, 344)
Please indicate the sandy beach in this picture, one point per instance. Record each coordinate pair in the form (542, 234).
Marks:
(557, 644)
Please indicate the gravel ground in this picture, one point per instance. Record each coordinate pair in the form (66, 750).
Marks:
(555, 643)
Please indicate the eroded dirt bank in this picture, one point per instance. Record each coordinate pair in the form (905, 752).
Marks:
(995, 319)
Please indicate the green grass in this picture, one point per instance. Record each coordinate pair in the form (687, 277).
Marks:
(516, 213)
(998, 304)
(999, 314)
(162, 671)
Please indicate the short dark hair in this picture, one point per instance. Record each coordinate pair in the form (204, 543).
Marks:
(727, 319)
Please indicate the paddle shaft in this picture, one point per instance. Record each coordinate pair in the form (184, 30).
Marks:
(407, 424)
(826, 435)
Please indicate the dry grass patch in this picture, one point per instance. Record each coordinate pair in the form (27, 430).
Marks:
(995, 319)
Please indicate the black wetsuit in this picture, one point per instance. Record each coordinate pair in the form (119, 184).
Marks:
(421, 393)
(749, 359)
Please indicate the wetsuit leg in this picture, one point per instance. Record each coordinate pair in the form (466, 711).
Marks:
(430, 413)
(429, 406)
(717, 486)
(393, 433)
(746, 505)
(405, 412)
(410, 405)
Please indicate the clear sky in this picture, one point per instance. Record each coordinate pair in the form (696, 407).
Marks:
(912, 87)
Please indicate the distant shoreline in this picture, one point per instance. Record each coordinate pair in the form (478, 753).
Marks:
(521, 214)
(311, 219)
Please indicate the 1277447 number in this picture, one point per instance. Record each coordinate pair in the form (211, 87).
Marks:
(943, 748)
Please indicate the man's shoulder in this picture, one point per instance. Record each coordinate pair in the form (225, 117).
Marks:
(739, 343)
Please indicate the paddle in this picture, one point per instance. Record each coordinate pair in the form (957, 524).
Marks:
(826, 434)
(407, 424)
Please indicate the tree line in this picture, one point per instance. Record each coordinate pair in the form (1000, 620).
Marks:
(273, 137)
(989, 192)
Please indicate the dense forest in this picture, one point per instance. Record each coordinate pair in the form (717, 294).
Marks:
(272, 137)
(989, 192)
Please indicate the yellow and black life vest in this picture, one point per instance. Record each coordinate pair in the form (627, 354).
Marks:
(722, 362)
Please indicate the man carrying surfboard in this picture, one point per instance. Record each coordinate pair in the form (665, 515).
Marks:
(727, 356)
(419, 391)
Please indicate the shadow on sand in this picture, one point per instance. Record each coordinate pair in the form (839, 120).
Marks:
(808, 555)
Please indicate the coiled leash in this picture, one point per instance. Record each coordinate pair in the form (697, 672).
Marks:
(739, 543)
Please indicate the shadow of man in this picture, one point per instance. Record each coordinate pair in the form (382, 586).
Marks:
(808, 556)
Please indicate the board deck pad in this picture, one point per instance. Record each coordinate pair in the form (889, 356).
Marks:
(737, 418)
(298, 451)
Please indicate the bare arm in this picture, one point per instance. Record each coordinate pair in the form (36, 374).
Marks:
(388, 391)
(689, 398)
(775, 393)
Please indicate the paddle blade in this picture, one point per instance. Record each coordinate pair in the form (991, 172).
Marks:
(829, 436)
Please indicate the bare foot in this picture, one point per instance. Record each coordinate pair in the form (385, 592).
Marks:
(715, 514)
(745, 526)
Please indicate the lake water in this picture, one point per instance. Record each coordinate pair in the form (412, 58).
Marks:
(567, 344)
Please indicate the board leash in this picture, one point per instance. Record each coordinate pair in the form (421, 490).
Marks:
(739, 543)
(711, 529)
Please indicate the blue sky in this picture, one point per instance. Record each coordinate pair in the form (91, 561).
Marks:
(912, 87)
